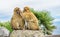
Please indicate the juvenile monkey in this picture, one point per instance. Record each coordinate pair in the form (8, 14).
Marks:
(31, 21)
(16, 21)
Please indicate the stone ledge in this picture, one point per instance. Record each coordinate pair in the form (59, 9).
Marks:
(52, 36)
(27, 33)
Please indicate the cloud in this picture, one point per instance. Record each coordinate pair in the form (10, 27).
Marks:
(7, 6)
(44, 3)
(10, 4)
(55, 11)
(56, 20)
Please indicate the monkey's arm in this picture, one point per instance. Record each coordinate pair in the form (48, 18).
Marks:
(33, 18)
(14, 23)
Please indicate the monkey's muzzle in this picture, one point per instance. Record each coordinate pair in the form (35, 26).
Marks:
(18, 12)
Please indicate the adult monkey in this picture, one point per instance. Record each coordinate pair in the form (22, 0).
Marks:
(16, 21)
(31, 22)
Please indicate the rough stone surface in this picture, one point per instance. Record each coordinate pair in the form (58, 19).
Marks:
(4, 32)
(52, 36)
(26, 33)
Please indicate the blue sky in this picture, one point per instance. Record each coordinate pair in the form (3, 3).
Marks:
(53, 6)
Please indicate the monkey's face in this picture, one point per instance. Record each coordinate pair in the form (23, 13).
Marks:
(17, 10)
(26, 8)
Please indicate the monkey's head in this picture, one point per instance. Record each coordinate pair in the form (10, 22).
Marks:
(17, 10)
(26, 8)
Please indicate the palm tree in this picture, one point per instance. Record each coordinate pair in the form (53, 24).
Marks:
(45, 21)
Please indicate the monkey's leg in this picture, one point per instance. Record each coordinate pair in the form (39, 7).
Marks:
(33, 26)
(16, 25)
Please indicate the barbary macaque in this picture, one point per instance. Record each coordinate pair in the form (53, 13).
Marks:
(16, 21)
(31, 21)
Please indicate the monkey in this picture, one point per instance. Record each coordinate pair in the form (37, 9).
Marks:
(17, 22)
(31, 21)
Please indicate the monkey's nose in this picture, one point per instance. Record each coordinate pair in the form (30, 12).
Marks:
(18, 12)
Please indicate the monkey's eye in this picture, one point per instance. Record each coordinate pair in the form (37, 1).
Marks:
(18, 13)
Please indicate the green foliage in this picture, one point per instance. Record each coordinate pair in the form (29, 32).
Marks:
(6, 25)
(1, 24)
(45, 20)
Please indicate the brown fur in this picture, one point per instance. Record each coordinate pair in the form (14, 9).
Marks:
(16, 21)
(32, 21)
